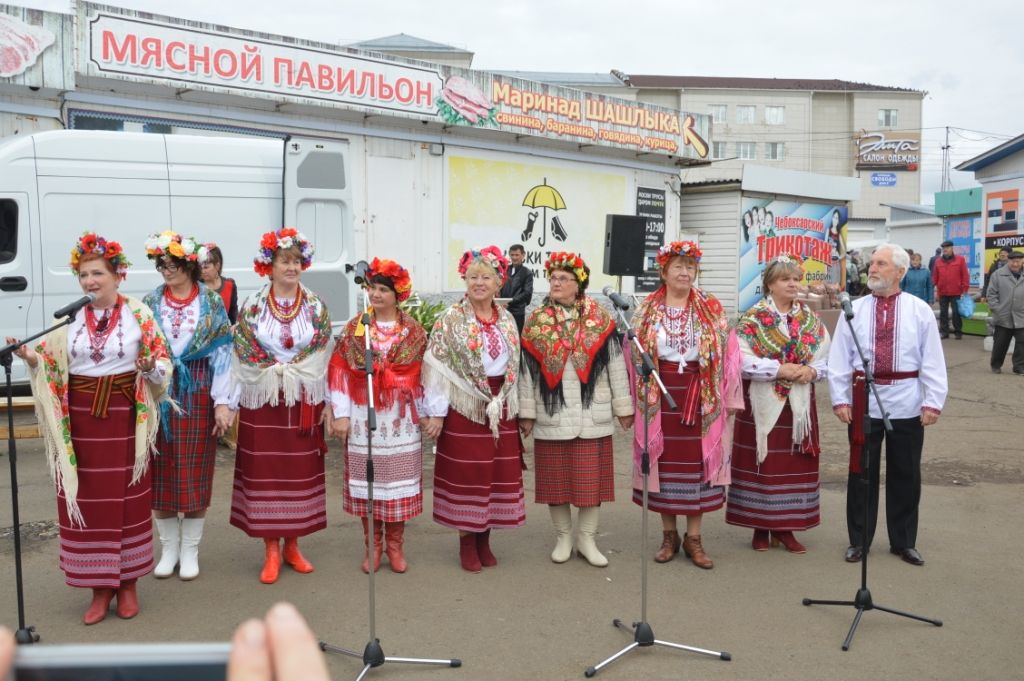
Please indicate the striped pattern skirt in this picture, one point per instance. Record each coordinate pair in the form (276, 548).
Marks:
(478, 483)
(183, 468)
(578, 472)
(782, 493)
(681, 465)
(279, 488)
(397, 467)
(116, 542)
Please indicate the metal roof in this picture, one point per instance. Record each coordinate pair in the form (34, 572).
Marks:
(725, 83)
(401, 42)
(566, 78)
(992, 155)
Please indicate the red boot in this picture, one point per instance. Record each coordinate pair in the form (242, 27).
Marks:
(468, 555)
(483, 549)
(789, 541)
(760, 541)
(378, 544)
(97, 611)
(272, 560)
(127, 600)
(394, 533)
(294, 557)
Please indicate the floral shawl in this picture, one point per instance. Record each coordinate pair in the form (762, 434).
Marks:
(396, 374)
(554, 335)
(454, 365)
(50, 381)
(263, 380)
(721, 389)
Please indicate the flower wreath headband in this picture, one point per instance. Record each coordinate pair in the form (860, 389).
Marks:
(788, 259)
(568, 261)
(389, 269)
(204, 252)
(490, 255)
(171, 244)
(287, 237)
(687, 249)
(92, 244)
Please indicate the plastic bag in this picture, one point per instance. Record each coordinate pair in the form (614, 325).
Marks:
(966, 305)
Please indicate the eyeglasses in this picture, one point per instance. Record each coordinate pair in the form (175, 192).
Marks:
(562, 280)
(167, 267)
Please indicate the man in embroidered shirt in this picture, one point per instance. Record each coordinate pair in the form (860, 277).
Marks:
(899, 337)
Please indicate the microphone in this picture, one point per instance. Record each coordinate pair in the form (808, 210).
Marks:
(616, 298)
(71, 308)
(844, 301)
(359, 270)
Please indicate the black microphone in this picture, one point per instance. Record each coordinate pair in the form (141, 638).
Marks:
(617, 300)
(844, 300)
(71, 308)
(359, 270)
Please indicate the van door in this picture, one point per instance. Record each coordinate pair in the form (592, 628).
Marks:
(318, 202)
(19, 288)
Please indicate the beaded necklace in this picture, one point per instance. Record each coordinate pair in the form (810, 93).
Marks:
(285, 314)
(180, 308)
(491, 333)
(678, 326)
(100, 329)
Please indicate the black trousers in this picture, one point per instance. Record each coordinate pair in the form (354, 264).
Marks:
(946, 302)
(902, 484)
(1001, 343)
(520, 317)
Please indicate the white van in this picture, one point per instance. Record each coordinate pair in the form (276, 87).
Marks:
(125, 186)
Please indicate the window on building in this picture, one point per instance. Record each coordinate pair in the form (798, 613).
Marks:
(717, 150)
(746, 150)
(774, 115)
(745, 114)
(719, 113)
(887, 118)
(8, 230)
(775, 151)
(96, 123)
(322, 170)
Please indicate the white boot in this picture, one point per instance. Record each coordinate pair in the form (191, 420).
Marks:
(588, 521)
(169, 531)
(561, 518)
(191, 533)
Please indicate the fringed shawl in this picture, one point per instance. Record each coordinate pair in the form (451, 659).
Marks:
(50, 388)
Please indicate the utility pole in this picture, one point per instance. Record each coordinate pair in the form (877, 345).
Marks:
(946, 185)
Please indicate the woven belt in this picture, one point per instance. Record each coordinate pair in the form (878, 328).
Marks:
(102, 387)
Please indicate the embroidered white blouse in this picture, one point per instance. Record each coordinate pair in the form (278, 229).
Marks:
(120, 348)
(220, 389)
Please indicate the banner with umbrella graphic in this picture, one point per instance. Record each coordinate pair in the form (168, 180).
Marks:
(544, 196)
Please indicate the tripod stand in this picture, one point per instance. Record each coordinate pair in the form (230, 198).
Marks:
(863, 601)
(643, 634)
(373, 654)
(23, 634)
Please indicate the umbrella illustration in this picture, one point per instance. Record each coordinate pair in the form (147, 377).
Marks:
(545, 196)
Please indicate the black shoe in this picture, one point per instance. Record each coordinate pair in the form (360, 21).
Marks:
(909, 555)
(998, 370)
(959, 336)
(854, 554)
(1019, 373)
(944, 335)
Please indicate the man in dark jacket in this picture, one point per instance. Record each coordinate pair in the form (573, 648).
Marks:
(1006, 300)
(951, 281)
(1001, 258)
(518, 285)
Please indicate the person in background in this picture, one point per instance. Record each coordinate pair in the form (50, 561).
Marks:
(1006, 300)
(931, 260)
(211, 259)
(918, 281)
(518, 285)
(951, 281)
(1002, 257)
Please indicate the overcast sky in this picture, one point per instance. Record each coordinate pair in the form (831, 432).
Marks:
(968, 56)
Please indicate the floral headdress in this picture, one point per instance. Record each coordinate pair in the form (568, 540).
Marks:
(92, 244)
(563, 260)
(787, 259)
(389, 269)
(171, 244)
(491, 255)
(287, 237)
(688, 249)
(204, 252)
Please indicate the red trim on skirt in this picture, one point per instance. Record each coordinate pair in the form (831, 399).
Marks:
(116, 543)
(279, 488)
(578, 472)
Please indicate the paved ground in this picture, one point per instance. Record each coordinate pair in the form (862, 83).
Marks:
(531, 619)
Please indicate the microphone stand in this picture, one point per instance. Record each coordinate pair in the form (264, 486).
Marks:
(643, 634)
(24, 634)
(863, 601)
(373, 654)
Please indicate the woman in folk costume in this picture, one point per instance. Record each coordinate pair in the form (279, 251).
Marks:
(196, 327)
(697, 357)
(775, 451)
(211, 262)
(398, 342)
(98, 386)
(281, 349)
(472, 362)
(575, 381)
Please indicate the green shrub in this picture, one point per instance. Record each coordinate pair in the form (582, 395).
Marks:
(426, 313)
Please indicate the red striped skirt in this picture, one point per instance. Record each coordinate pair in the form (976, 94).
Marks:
(478, 483)
(279, 488)
(781, 494)
(116, 542)
(183, 469)
(578, 472)
(681, 465)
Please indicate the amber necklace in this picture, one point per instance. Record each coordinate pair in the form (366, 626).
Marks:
(285, 314)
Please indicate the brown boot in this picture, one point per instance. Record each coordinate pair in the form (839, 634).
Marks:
(695, 552)
(394, 533)
(378, 544)
(97, 611)
(669, 546)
